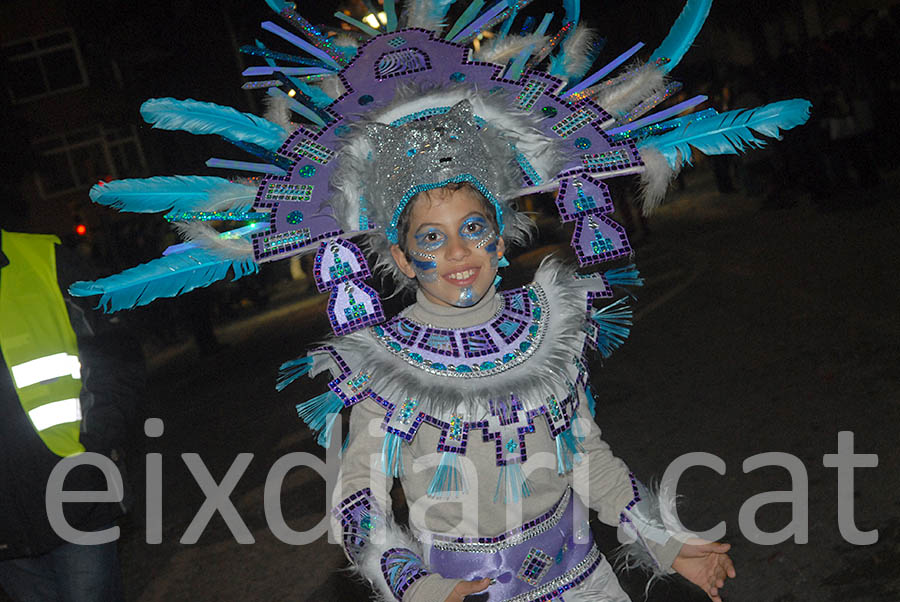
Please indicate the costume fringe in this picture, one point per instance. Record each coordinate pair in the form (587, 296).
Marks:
(512, 485)
(392, 455)
(448, 480)
(291, 370)
(319, 414)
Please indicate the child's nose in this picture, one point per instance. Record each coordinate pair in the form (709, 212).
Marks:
(457, 248)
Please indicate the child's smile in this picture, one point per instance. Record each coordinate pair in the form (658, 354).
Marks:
(452, 248)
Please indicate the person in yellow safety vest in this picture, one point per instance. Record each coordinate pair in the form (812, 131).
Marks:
(70, 383)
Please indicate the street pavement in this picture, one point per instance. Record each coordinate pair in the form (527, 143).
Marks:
(757, 331)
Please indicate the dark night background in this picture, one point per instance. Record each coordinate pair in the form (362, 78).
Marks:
(768, 323)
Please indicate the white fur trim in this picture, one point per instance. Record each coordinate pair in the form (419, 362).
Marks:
(549, 371)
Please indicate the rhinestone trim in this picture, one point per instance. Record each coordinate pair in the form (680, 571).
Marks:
(570, 579)
(508, 356)
(510, 539)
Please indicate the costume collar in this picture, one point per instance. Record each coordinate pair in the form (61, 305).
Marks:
(398, 360)
(429, 313)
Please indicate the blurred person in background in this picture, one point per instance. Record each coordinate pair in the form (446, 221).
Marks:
(70, 384)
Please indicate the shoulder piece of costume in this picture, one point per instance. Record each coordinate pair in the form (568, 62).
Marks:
(533, 346)
(358, 126)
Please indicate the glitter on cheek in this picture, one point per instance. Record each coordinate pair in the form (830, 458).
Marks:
(424, 265)
(488, 240)
(425, 256)
(466, 298)
(425, 270)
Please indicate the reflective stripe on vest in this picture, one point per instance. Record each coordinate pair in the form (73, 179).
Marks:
(46, 368)
(55, 413)
(38, 343)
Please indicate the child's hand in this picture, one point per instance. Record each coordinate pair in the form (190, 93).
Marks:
(705, 565)
(464, 588)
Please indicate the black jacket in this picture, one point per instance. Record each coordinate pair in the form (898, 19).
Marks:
(112, 378)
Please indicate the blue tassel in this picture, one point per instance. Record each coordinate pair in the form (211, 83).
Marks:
(728, 133)
(503, 262)
(613, 321)
(167, 276)
(511, 484)
(448, 479)
(497, 281)
(391, 455)
(683, 33)
(344, 446)
(168, 193)
(207, 118)
(624, 276)
(568, 451)
(592, 403)
(319, 414)
(292, 370)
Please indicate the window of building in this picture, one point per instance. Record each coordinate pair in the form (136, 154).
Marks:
(80, 158)
(43, 65)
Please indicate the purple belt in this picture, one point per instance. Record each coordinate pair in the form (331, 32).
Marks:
(538, 561)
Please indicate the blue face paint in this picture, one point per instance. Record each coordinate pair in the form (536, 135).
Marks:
(473, 228)
(424, 266)
(466, 298)
(431, 239)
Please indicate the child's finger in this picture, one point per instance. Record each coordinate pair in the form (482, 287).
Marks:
(465, 588)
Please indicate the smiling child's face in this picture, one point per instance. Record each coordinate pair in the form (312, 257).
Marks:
(452, 248)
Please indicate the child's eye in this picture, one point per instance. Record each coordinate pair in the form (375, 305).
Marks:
(473, 227)
(430, 240)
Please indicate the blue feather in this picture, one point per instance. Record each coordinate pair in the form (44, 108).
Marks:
(164, 277)
(729, 133)
(683, 33)
(165, 193)
(207, 118)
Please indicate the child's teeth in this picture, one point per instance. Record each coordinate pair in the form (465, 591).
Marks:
(462, 275)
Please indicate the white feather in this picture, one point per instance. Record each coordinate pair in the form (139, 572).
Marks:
(205, 236)
(500, 51)
(655, 179)
(332, 86)
(427, 14)
(623, 93)
(278, 111)
(229, 201)
(576, 52)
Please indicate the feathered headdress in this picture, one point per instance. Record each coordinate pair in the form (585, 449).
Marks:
(412, 108)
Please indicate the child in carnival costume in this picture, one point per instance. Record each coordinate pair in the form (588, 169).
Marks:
(478, 401)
